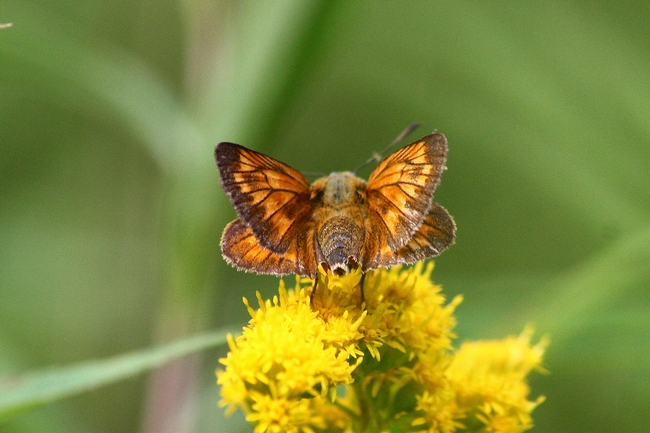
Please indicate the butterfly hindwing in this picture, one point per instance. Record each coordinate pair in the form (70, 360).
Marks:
(400, 189)
(271, 198)
(436, 234)
(242, 249)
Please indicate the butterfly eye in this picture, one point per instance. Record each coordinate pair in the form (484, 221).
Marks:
(361, 197)
(316, 194)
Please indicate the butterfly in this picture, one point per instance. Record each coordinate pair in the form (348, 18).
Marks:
(341, 222)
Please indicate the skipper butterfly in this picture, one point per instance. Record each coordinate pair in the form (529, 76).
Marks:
(341, 222)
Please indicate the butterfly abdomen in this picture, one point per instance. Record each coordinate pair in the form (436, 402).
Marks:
(339, 200)
(340, 239)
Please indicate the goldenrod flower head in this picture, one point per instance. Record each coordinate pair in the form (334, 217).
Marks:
(493, 373)
(367, 353)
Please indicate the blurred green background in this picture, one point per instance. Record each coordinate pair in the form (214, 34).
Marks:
(111, 210)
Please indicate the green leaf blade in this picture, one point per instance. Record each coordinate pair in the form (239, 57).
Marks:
(45, 386)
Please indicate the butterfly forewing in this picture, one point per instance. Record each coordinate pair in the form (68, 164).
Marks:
(400, 189)
(270, 197)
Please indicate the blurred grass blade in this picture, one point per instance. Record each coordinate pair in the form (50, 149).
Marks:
(40, 387)
(591, 288)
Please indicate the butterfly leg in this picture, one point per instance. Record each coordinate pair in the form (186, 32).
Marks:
(361, 281)
(316, 278)
(313, 288)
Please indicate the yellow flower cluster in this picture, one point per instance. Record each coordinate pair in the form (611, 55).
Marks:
(373, 353)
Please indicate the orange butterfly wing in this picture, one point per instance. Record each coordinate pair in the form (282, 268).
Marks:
(242, 249)
(436, 234)
(271, 198)
(275, 233)
(400, 190)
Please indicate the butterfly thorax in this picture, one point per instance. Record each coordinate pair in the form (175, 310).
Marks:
(339, 214)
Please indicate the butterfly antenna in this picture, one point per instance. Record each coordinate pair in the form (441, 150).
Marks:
(376, 157)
